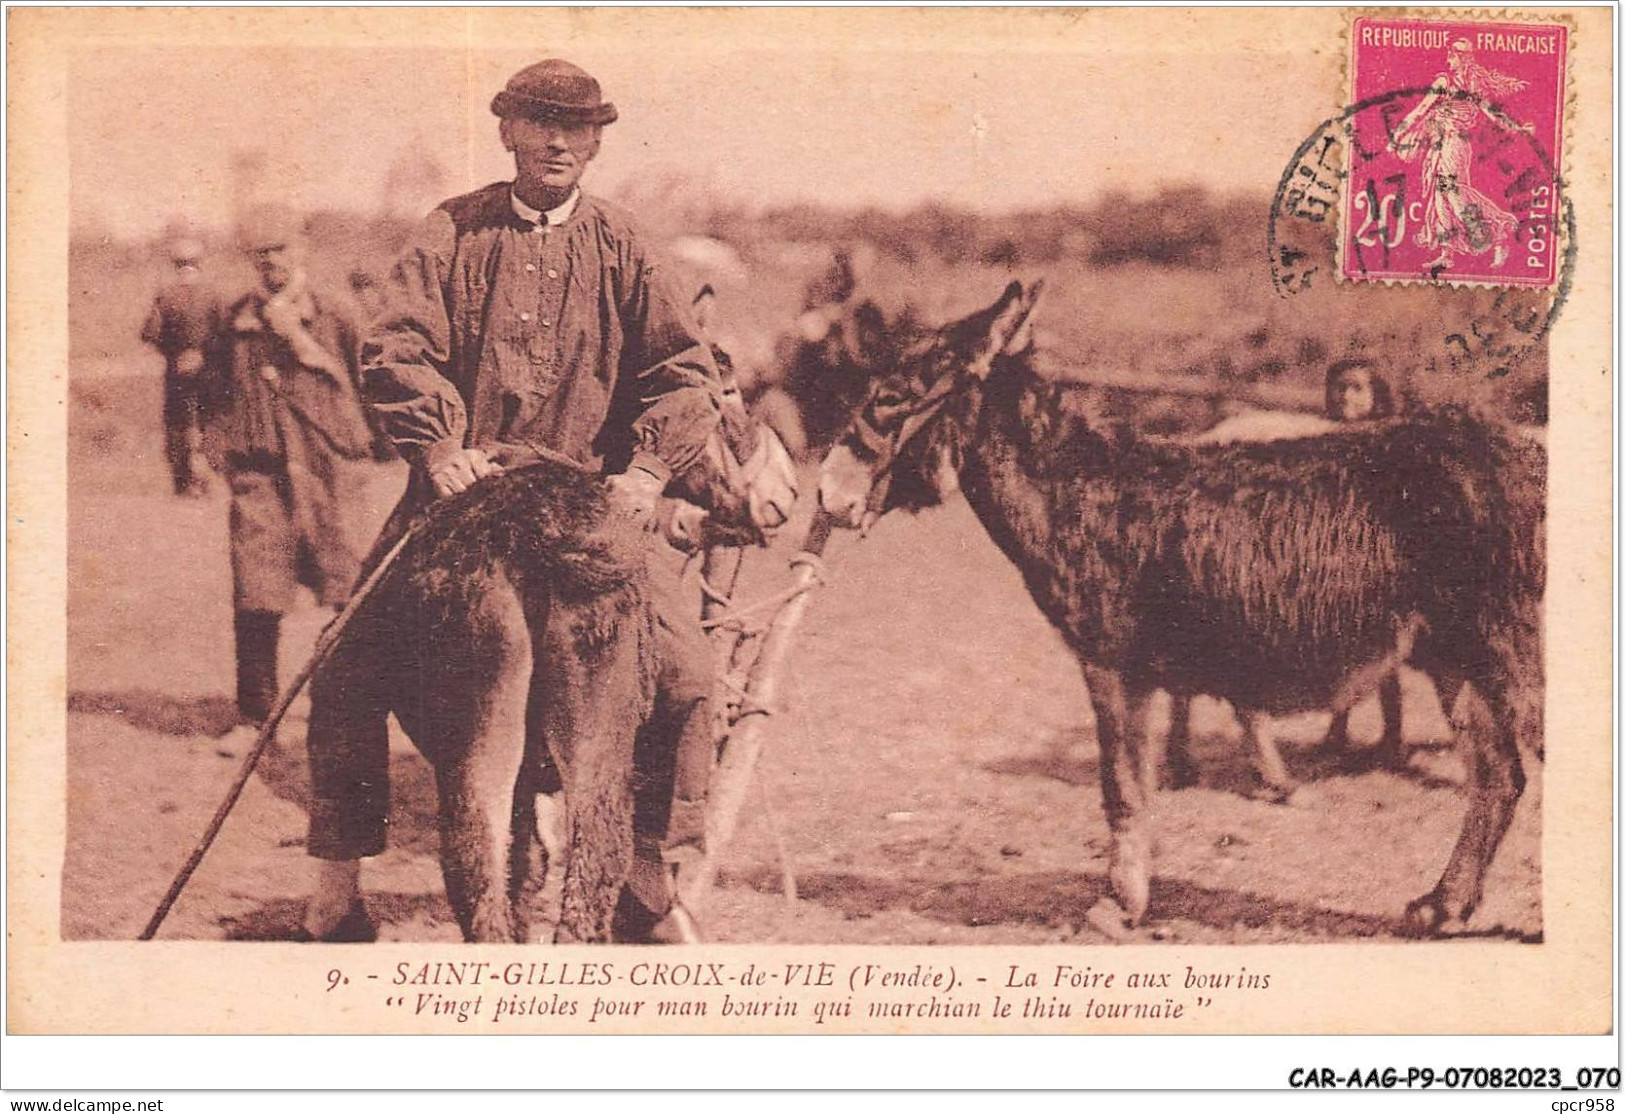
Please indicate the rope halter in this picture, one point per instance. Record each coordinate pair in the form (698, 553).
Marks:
(909, 417)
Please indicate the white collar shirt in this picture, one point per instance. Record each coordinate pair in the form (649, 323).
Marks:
(550, 218)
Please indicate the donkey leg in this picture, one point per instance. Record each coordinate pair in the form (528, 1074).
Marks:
(1181, 769)
(540, 797)
(478, 764)
(1391, 749)
(476, 831)
(595, 704)
(1120, 718)
(599, 857)
(527, 856)
(1260, 730)
(1496, 780)
(1153, 754)
(551, 824)
(1337, 736)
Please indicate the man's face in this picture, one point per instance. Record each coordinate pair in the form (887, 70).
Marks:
(1353, 395)
(549, 157)
(276, 264)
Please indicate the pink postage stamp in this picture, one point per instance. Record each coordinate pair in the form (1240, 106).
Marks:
(1454, 154)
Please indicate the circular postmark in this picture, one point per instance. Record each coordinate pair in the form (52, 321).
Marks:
(1469, 204)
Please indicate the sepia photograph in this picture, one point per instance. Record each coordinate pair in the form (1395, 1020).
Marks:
(787, 521)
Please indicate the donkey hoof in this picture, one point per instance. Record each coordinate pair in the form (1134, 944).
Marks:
(1302, 796)
(1131, 883)
(1107, 918)
(1431, 916)
(1276, 792)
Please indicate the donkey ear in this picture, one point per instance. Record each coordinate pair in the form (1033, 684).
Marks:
(1008, 313)
(1022, 339)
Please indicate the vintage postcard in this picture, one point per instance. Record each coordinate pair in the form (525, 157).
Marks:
(747, 521)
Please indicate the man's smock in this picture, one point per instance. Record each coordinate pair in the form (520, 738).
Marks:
(184, 316)
(287, 426)
(314, 399)
(503, 333)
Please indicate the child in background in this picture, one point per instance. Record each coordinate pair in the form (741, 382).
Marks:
(1355, 392)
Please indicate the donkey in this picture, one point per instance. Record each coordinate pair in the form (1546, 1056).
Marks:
(826, 370)
(1274, 426)
(1284, 575)
(514, 641)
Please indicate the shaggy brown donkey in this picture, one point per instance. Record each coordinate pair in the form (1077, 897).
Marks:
(1282, 575)
(514, 637)
(1355, 392)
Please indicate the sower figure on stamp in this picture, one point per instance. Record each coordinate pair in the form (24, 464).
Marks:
(1458, 218)
(184, 315)
(281, 392)
(528, 315)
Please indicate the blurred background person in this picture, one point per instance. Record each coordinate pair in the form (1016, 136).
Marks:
(184, 314)
(368, 295)
(1356, 392)
(285, 420)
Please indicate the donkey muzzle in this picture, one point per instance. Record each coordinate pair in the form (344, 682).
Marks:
(843, 487)
(769, 476)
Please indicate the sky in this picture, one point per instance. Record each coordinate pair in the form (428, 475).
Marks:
(153, 128)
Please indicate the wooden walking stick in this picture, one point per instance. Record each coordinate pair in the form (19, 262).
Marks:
(743, 749)
(324, 648)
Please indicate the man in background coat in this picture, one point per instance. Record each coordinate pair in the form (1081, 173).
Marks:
(281, 384)
(184, 315)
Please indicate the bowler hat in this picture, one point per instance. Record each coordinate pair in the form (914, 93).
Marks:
(554, 90)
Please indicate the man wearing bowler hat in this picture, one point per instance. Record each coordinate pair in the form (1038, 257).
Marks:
(528, 315)
(281, 394)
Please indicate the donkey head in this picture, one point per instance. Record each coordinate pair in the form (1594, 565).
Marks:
(745, 478)
(902, 446)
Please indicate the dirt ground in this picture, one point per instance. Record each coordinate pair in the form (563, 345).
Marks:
(932, 781)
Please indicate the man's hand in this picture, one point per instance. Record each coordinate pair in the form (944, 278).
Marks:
(189, 362)
(282, 314)
(682, 524)
(634, 492)
(458, 471)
